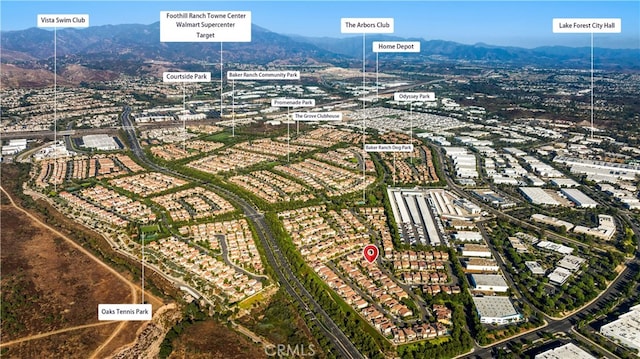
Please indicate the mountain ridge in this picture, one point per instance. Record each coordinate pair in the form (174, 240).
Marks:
(125, 48)
(543, 55)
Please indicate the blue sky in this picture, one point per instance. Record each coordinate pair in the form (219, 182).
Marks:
(513, 23)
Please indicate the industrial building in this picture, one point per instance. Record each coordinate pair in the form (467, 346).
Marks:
(571, 262)
(541, 218)
(600, 171)
(476, 250)
(559, 276)
(489, 283)
(606, 228)
(442, 141)
(537, 195)
(446, 205)
(580, 199)
(568, 265)
(467, 236)
(500, 179)
(628, 196)
(14, 147)
(496, 310)
(464, 162)
(481, 265)
(518, 245)
(527, 237)
(192, 117)
(564, 182)
(535, 267)
(467, 205)
(514, 151)
(56, 150)
(607, 222)
(542, 168)
(562, 249)
(626, 329)
(567, 351)
(535, 181)
(412, 210)
(100, 142)
(493, 198)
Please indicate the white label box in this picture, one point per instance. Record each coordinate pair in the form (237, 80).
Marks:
(317, 116)
(263, 75)
(580, 25)
(368, 25)
(186, 76)
(293, 102)
(414, 96)
(388, 147)
(396, 46)
(205, 26)
(63, 20)
(131, 312)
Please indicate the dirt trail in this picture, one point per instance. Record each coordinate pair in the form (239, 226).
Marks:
(44, 335)
(134, 287)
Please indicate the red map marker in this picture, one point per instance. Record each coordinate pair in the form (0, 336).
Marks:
(370, 253)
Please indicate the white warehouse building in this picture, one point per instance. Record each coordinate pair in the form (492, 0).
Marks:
(482, 265)
(537, 195)
(489, 283)
(467, 236)
(476, 250)
(496, 310)
(626, 329)
(567, 351)
(580, 199)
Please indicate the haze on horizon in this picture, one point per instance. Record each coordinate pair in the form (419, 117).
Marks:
(499, 23)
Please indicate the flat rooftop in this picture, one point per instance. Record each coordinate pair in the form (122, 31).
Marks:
(494, 307)
(491, 280)
(567, 351)
(534, 267)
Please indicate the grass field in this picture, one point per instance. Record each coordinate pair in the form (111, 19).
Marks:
(247, 303)
(150, 229)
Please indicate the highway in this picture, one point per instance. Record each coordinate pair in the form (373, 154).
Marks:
(50, 134)
(113, 130)
(314, 312)
(277, 261)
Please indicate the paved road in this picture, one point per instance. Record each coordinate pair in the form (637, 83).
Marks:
(114, 129)
(498, 213)
(506, 274)
(277, 261)
(225, 256)
(50, 134)
(612, 293)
